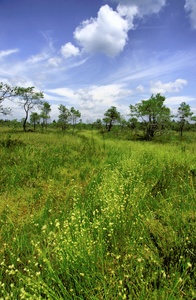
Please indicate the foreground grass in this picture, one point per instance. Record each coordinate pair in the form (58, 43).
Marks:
(84, 217)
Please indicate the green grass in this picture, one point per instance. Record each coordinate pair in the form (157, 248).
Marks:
(87, 217)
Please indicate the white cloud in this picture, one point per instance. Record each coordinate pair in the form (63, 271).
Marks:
(106, 34)
(97, 99)
(129, 12)
(190, 7)
(173, 101)
(86, 100)
(7, 52)
(45, 54)
(21, 81)
(143, 67)
(144, 7)
(92, 101)
(34, 59)
(169, 87)
(140, 88)
(54, 61)
(63, 92)
(69, 50)
(109, 93)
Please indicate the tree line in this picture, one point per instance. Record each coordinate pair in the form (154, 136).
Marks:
(151, 115)
(29, 99)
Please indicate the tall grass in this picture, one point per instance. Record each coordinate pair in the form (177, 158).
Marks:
(84, 217)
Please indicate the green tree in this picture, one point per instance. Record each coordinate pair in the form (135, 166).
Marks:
(45, 111)
(34, 119)
(28, 99)
(74, 116)
(6, 92)
(133, 123)
(184, 114)
(154, 114)
(111, 116)
(98, 124)
(63, 116)
(122, 121)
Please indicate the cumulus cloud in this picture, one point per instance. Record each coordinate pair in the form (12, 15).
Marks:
(69, 50)
(129, 12)
(109, 93)
(106, 34)
(86, 100)
(95, 98)
(190, 7)
(170, 87)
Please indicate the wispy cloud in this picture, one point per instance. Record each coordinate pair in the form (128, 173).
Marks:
(42, 69)
(190, 7)
(43, 56)
(147, 66)
(48, 38)
(4, 53)
(47, 52)
(63, 92)
(54, 61)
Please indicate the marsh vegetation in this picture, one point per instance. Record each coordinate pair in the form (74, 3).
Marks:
(85, 216)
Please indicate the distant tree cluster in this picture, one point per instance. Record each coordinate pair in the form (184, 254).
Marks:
(151, 115)
(29, 99)
(66, 115)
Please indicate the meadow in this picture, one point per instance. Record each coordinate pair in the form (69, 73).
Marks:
(84, 216)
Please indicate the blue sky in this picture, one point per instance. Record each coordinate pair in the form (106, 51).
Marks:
(92, 54)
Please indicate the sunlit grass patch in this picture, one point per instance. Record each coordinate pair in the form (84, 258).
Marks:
(84, 217)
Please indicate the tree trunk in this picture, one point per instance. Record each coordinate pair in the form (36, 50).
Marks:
(181, 130)
(150, 132)
(110, 126)
(24, 123)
